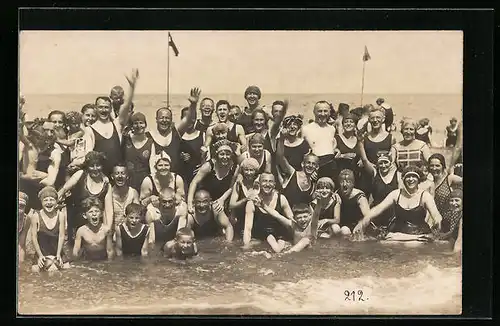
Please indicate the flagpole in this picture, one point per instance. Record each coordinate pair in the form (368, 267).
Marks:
(168, 71)
(363, 82)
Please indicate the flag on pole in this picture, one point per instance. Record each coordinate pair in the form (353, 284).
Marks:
(366, 55)
(172, 44)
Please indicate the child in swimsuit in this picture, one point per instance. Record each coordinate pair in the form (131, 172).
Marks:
(183, 246)
(132, 237)
(48, 225)
(94, 238)
(23, 225)
(452, 219)
(329, 218)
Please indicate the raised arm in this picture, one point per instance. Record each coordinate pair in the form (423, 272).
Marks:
(191, 113)
(70, 183)
(124, 112)
(202, 173)
(240, 132)
(208, 139)
(267, 168)
(285, 167)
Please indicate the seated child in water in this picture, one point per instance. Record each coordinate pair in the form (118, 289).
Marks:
(132, 237)
(329, 217)
(451, 225)
(23, 225)
(183, 246)
(94, 238)
(47, 232)
(304, 227)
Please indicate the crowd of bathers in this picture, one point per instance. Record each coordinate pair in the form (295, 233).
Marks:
(105, 182)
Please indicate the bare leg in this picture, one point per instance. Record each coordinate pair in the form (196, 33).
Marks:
(274, 244)
(223, 221)
(345, 231)
(336, 229)
(299, 246)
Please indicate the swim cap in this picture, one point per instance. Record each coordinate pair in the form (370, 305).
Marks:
(346, 173)
(47, 191)
(343, 107)
(412, 170)
(352, 117)
(384, 156)
(163, 157)
(138, 116)
(23, 198)
(456, 193)
(253, 89)
(223, 144)
(249, 162)
(292, 119)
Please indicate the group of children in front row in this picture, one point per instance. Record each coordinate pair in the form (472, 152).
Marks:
(134, 236)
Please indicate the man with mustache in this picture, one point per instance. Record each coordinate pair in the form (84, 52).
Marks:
(321, 138)
(105, 135)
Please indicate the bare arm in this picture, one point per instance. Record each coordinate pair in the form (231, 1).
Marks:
(53, 169)
(180, 188)
(135, 196)
(431, 207)
(285, 206)
(458, 243)
(108, 208)
(118, 244)
(285, 167)
(146, 189)
(202, 173)
(70, 183)
(78, 243)
(369, 167)
(314, 222)
(145, 245)
(336, 213)
(380, 208)
(191, 113)
(34, 234)
(267, 169)
(62, 231)
(208, 138)
(109, 245)
(394, 154)
(247, 231)
(241, 137)
(124, 112)
(363, 205)
(455, 180)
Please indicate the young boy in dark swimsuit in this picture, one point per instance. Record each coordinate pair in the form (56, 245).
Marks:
(183, 246)
(132, 237)
(93, 239)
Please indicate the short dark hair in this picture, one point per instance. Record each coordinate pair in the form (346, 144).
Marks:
(88, 106)
(184, 231)
(301, 208)
(136, 208)
(54, 112)
(104, 98)
(90, 202)
(94, 157)
(220, 102)
(278, 102)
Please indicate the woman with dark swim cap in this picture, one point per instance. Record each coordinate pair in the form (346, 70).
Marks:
(354, 204)
(137, 151)
(411, 204)
(88, 182)
(444, 183)
(384, 178)
(451, 133)
(409, 151)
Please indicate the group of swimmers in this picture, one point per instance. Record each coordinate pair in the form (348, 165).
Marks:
(103, 184)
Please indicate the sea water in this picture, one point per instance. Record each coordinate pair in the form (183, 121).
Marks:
(385, 279)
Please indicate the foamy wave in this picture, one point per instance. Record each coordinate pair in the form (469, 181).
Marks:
(430, 291)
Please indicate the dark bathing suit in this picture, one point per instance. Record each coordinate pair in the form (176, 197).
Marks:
(192, 147)
(132, 246)
(442, 195)
(295, 154)
(350, 213)
(294, 194)
(217, 187)
(451, 136)
(380, 190)
(110, 147)
(265, 225)
(172, 149)
(207, 227)
(410, 221)
(165, 229)
(371, 149)
(347, 163)
(137, 161)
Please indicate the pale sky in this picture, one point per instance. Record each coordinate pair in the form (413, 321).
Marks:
(225, 62)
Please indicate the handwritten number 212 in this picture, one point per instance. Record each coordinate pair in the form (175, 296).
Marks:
(353, 295)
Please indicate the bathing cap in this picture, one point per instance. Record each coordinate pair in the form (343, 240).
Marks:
(412, 170)
(223, 145)
(346, 173)
(163, 157)
(253, 89)
(384, 156)
(292, 119)
(47, 191)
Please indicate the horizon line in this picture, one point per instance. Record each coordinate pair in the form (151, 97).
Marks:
(271, 93)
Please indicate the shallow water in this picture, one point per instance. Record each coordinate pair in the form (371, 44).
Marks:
(225, 280)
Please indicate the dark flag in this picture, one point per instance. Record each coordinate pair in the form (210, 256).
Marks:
(172, 44)
(366, 55)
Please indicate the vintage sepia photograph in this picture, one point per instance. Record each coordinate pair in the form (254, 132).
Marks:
(210, 172)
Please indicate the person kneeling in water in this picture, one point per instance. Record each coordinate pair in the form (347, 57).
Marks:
(93, 239)
(304, 226)
(132, 237)
(204, 222)
(329, 216)
(183, 246)
(411, 203)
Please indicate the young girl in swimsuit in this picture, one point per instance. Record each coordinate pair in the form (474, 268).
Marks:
(329, 217)
(257, 151)
(132, 237)
(452, 220)
(137, 149)
(411, 206)
(244, 188)
(47, 232)
(218, 132)
(216, 176)
(23, 225)
(93, 240)
(444, 183)
(258, 222)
